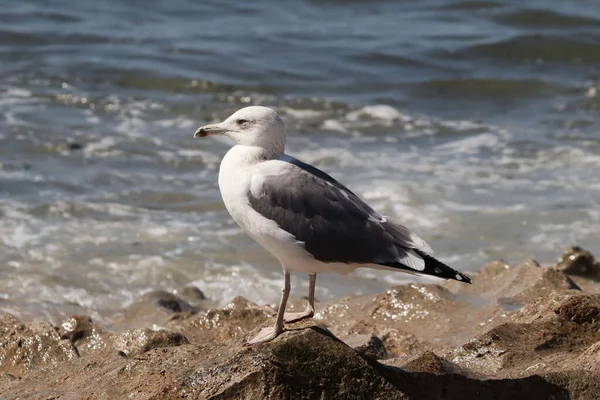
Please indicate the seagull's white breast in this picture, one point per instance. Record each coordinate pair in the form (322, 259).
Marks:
(241, 173)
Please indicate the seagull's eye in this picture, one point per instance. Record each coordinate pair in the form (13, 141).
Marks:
(242, 121)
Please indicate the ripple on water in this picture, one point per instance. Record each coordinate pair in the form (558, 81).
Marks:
(473, 122)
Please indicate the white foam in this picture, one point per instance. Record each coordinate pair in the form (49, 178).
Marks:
(333, 125)
(102, 147)
(302, 113)
(178, 123)
(471, 145)
(18, 92)
(381, 112)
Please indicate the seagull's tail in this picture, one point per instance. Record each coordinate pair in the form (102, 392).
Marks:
(433, 267)
(437, 268)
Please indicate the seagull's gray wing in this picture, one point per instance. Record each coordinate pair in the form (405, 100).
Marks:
(335, 225)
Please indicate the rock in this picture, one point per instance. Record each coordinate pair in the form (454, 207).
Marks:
(367, 345)
(75, 146)
(168, 302)
(427, 362)
(418, 317)
(237, 320)
(313, 363)
(138, 341)
(404, 344)
(300, 364)
(83, 333)
(580, 262)
(518, 286)
(517, 333)
(155, 308)
(7, 378)
(430, 312)
(306, 363)
(27, 347)
(192, 293)
(590, 358)
(559, 326)
(571, 306)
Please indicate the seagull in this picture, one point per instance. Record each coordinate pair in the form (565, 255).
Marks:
(305, 218)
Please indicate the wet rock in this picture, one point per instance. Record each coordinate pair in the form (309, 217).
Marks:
(557, 326)
(522, 284)
(6, 378)
(427, 362)
(570, 305)
(522, 332)
(26, 347)
(303, 363)
(155, 308)
(417, 317)
(313, 363)
(192, 293)
(168, 302)
(138, 341)
(237, 320)
(580, 309)
(74, 146)
(367, 345)
(405, 344)
(85, 336)
(590, 358)
(408, 316)
(580, 262)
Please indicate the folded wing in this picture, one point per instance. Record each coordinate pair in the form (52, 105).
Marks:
(336, 226)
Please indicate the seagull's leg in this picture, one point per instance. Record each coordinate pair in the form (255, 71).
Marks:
(268, 334)
(310, 308)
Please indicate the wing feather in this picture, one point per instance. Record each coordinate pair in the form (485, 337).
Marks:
(334, 224)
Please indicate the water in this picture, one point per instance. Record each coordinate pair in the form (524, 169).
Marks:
(473, 122)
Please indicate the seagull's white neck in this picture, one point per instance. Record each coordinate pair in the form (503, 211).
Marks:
(235, 173)
(255, 154)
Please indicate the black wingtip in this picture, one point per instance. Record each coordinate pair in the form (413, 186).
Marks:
(437, 268)
(463, 278)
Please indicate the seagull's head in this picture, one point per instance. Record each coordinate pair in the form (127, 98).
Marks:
(251, 126)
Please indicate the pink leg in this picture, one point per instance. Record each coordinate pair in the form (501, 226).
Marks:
(310, 308)
(268, 334)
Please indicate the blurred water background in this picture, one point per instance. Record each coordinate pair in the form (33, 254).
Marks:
(476, 123)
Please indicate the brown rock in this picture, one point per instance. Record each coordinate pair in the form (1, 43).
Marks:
(517, 333)
(237, 320)
(569, 305)
(547, 336)
(154, 308)
(429, 362)
(306, 363)
(404, 344)
(192, 293)
(138, 341)
(26, 347)
(429, 312)
(83, 333)
(580, 262)
(367, 345)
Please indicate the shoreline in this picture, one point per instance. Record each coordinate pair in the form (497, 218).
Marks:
(518, 331)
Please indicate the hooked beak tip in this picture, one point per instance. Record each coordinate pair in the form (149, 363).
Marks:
(209, 130)
(200, 133)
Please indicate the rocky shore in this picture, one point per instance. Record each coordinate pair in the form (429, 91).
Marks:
(519, 332)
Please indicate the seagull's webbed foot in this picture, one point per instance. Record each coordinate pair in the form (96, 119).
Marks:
(268, 334)
(265, 335)
(297, 316)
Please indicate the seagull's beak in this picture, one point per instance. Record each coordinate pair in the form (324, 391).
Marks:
(207, 130)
